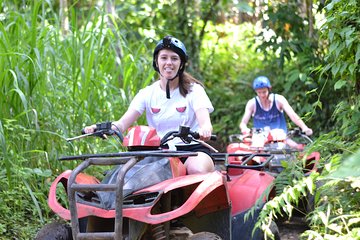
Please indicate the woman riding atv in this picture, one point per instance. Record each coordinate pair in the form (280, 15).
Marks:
(175, 99)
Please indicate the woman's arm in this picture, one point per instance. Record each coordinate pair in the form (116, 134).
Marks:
(122, 124)
(203, 118)
(129, 117)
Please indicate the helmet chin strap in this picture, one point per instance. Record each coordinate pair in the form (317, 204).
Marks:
(168, 86)
(168, 82)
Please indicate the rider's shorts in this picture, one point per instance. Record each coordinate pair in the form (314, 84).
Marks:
(193, 148)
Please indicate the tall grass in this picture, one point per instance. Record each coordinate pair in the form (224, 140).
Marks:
(51, 87)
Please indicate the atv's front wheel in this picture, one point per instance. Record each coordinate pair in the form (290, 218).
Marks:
(204, 236)
(55, 231)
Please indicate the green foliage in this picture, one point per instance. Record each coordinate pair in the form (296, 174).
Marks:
(15, 211)
(229, 64)
(350, 167)
(341, 28)
(337, 214)
(347, 115)
(24, 172)
(293, 171)
(51, 86)
(284, 203)
(284, 32)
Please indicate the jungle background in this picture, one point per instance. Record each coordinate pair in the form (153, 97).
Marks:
(67, 64)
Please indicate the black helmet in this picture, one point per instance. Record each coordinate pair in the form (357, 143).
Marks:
(175, 45)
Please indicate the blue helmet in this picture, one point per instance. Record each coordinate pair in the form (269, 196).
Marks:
(173, 44)
(261, 82)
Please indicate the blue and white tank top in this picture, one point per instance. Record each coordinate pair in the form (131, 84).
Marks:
(273, 118)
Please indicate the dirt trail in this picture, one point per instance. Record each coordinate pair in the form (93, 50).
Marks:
(292, 229)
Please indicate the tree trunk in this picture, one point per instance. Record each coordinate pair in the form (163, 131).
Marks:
(192, 35)
(64, 18)
(110, 18)
(310, 17)
(110, 8)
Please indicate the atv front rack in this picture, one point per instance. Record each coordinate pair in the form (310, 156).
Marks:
(128, 159)
(140, 154)
(246, 158)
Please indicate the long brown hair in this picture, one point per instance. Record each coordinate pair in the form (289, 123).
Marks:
(185, 81)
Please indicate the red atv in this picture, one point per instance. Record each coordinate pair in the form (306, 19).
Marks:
(284, 147)
(147, 195)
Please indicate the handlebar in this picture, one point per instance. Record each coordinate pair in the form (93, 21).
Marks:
(246, 158)
(296, 132)
(102, 130)
(105, 129)
(185, 134)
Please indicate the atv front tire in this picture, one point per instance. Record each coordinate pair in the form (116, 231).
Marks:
(55, 231)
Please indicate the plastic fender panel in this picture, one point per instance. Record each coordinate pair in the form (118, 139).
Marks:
(245, 189)
(206, 184)
(312, 161)
(63, 178)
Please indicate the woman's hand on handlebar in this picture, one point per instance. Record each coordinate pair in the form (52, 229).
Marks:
(205, 133)
(89, 129)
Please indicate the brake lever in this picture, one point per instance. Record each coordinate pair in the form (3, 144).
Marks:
(205, 144)
(187, 139)
(103, 133)
(78, 137)
(165, 140)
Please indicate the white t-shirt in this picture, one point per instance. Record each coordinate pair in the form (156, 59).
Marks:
(167, 115)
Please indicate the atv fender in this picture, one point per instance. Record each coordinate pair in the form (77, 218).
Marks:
(247, 188)
(312, 163)
(208, 186)
(63, 178)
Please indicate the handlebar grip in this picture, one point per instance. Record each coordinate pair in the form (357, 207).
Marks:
(99, 127)
(196, 135)
(83, 130)
(104, 126)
